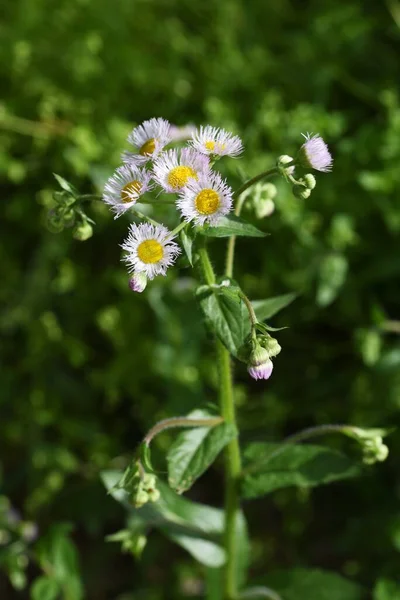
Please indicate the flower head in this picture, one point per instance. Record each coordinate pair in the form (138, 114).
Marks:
(314, 153)
(260, 365)
(149, 139)
(180, 134)
(138, 282)
(124, 188)
(174, 169)
(150, 249)
(206, 199)
(216, 141)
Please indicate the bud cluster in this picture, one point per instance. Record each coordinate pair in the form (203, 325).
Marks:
(259, 363)
(371, 440)
(141, 486)
(68, 213)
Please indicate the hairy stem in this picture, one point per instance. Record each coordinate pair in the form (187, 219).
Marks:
(232, 452)
(180, 422)
(230, 255)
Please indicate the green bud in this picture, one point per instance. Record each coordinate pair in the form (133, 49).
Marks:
(149, 481)
(55, 222)
(140, 498)
(154, 495)
(258, 356)
(83, 232)
(310, 181)
(270, 344)
(284, 160)
(300, 191)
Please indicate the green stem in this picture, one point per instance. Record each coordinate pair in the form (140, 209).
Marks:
(232, 452)
(230, 255)
(180, 422)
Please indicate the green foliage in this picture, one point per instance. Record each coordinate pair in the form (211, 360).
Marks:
(231, 225)
(195, 450)
(313, 584)
(271, 466)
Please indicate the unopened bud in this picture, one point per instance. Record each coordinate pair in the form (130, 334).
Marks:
(310, 181)
(270, 344)
(138, 282)
(140, 498)
(300, 191)
(260, 365)
(83, 232)
(285, 160)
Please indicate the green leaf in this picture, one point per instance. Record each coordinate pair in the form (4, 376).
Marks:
(195, 450)
(232, 225)
(312, 584)
(256, 593)
(386, 589)
(225, 314)
(187, 236)
(68, 187)
(45, 588)
(265, 309)
(300, 465)
(186, 523)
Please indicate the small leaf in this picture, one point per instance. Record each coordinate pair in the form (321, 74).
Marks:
(312, 584)
(187, 236)
(225, 313)
(195, 450)
(265, 309)
(68, 187)
(300, 465)
(232, 225)
(45, 588)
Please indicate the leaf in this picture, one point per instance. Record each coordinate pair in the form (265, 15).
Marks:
(187, 236)
(265, 309)
(300, 465)
(226, 315)
(68, 187)
(232, 225)
(195, 450)
(312, 584)
(184, 522)
(386, 589)
(45, 588)
(256, 593)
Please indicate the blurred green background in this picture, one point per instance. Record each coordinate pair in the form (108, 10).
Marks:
(87, 367)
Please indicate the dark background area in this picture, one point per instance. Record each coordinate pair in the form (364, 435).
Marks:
(87, 367)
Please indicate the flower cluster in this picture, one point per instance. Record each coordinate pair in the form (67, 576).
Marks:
(201, 195)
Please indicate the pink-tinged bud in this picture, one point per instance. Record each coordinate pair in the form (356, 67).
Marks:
(314, 153)
(260, 365)
(138, 282)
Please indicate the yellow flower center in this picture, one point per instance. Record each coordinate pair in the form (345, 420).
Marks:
(150, 251)
(211, 146)
(178, 177)
(207, 202)
(148, 147)
(130, 191)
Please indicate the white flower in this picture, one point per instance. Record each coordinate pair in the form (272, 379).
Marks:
(150, 249)
(205, 200)
(314, 153)
(174, 169)
(125, 187)
(180, 134)
(216, 141)
(149, 139)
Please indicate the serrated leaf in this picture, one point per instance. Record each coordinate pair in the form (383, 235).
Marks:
(226, 315)
(232, 225)
(68, 187)
(312, 584)
(265, 309)
(45, 588)
(187, 236)
(299, 465)
(195, 450)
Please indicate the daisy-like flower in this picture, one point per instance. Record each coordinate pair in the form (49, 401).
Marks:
(150, 249)
(216, 141)
(314, 153)
(125, 187)
(174, 169)
(205, 200)
(149, 139)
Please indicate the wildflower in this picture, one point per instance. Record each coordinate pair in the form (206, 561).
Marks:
(205, 200)
(314, 153)
(150, 249)
(138, 282)
(260, 365)
(174, 169)
(149, 139)
(216, 141)
(125, 187)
